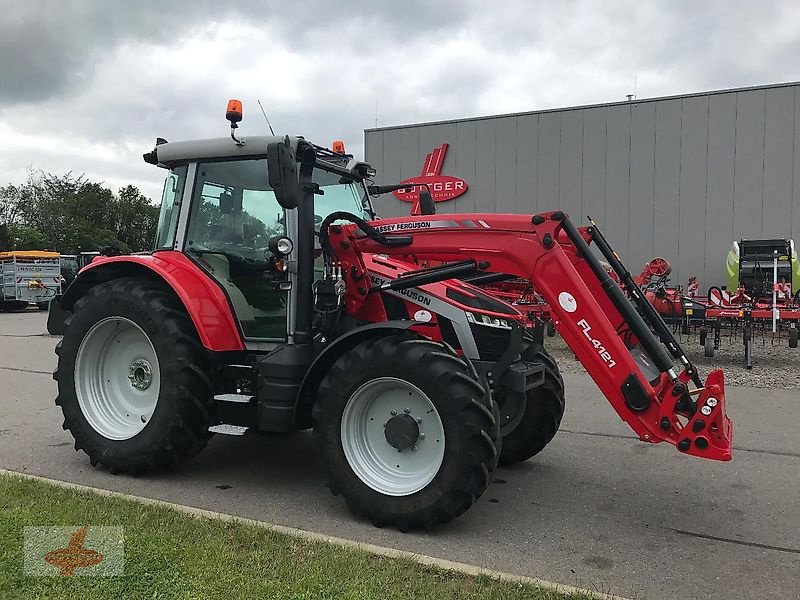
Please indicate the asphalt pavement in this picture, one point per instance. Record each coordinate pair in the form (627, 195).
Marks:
(596, 509)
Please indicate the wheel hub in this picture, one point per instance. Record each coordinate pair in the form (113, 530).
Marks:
(140, 374)
(401, 431)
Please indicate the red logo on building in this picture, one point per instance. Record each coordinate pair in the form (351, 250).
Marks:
(442, 187)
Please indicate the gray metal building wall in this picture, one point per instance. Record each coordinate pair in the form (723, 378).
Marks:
(679, 177)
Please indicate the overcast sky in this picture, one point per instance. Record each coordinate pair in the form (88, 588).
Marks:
(86, 86)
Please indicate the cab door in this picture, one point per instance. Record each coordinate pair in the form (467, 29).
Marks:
(234, 214)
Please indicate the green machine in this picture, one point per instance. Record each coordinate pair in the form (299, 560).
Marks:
(750, 264)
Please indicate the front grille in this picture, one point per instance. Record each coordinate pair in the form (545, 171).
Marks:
(492, 342)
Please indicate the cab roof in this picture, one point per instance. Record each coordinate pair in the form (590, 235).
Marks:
(168, 154)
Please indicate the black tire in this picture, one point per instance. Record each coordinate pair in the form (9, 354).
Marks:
(703, 335)
(544, 409)
(550, 328)
(468, 417)
(178, 427)
(793, 337)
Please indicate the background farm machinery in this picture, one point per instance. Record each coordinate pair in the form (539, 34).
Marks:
(765, 302)
(765, 275)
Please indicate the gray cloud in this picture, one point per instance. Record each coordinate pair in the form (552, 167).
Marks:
(46, 46)
(88, 85)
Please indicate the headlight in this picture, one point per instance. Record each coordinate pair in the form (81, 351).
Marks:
(479, 319)
(281, 245)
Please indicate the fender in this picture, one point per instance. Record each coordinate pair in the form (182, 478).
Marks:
(325, 359)
(203, 299)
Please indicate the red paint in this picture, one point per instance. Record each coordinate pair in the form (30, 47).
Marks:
(589, 324)
(442, 187)
(204, 300)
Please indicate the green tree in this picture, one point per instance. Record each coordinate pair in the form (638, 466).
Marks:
(11, 205)
(25, 237)
(71, 212)
(137, 219)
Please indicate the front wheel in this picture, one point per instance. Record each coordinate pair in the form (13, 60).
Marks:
(405, 431)
(530, 432)
(132, 377)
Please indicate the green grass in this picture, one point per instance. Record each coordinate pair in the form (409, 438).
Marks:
(172, 555)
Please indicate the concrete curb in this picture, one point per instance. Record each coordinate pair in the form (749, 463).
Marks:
(442, 563)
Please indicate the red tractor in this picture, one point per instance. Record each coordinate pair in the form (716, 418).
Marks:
(274, 301)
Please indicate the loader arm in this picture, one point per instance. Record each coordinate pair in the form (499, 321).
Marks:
(608, 331)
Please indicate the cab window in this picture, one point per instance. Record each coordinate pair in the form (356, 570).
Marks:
(233, 215)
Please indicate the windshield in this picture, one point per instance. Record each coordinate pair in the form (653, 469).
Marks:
(348, 197)
(234, 208)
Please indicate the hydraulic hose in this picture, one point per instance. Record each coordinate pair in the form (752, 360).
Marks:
(394, 241)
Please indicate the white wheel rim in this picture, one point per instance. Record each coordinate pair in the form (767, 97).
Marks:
(378, 464)
(117, 378)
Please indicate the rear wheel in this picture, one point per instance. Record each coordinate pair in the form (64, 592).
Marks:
(131, 375)
(405, 431)
(544, 408)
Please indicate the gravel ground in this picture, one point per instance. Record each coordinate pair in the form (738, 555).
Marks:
(775, 366)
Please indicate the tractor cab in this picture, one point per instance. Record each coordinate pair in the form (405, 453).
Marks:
(219, 209)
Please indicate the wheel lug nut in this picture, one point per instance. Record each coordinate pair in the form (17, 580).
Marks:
(393, 413)
(421, 436)
(406, 410)
(413, 447)
(419, 421)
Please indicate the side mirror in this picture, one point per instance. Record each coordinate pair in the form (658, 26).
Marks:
(226, 203)
(282, 173)
(426, 204)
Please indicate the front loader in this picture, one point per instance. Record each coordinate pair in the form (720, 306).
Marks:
(274, 301)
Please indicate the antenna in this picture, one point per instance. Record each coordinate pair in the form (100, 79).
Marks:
(263, 112)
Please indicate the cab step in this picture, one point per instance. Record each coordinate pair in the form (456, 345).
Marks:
(226, 429)
(237, 398)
